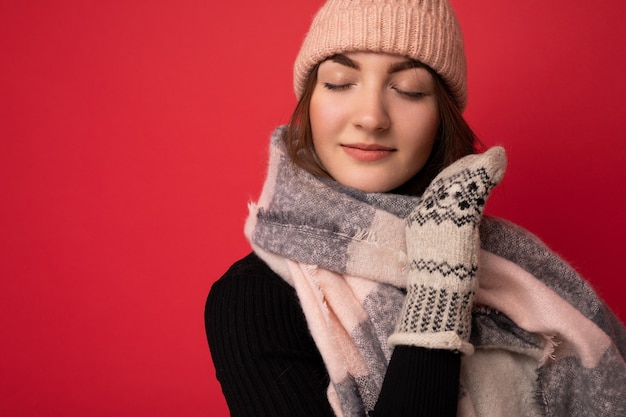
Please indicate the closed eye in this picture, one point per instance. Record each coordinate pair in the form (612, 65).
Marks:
(336, 87)
(410, 94)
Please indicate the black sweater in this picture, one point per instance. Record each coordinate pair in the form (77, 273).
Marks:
(268, 364)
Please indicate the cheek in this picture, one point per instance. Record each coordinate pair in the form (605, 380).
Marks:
(421, 133)
(430, 134)
(325, 115)
(431, 122)
(422, 125)
(432, 129)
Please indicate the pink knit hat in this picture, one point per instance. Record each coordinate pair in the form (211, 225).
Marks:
(425, 30)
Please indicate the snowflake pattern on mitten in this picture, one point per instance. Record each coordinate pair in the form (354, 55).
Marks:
(459, 199)
(442, 246)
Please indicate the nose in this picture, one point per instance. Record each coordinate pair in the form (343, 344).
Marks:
(371, 112)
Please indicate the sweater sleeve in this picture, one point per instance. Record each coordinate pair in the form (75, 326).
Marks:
(268, 365)
(264, 356)
(420, 382)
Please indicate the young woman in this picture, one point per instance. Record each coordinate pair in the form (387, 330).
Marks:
(376, 286)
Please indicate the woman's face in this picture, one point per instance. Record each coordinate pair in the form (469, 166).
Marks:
(374, 119)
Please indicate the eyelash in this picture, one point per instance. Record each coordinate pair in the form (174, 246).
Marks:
(410, 94)
(336, 87)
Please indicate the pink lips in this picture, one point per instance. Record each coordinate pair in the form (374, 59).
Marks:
(366, 152)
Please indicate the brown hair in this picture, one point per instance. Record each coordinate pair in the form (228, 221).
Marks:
(455, 138)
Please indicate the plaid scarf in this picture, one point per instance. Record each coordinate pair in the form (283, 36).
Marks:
(545, 344)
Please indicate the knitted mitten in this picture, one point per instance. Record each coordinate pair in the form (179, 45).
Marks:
(442, 247)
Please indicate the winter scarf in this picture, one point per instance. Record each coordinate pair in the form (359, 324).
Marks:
(544, 343)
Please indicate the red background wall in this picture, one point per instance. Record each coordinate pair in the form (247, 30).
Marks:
(133, 133)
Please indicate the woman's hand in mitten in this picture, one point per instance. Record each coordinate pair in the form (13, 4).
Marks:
(442, 245)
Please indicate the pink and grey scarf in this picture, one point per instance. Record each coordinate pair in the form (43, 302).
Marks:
(545, 344)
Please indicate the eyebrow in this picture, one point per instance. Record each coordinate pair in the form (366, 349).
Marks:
(344, 60)
(405, 65)
(397, 67)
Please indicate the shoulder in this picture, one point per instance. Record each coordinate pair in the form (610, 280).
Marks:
(245, 278)
(250, 299)
(261, 347)
(249, 281)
